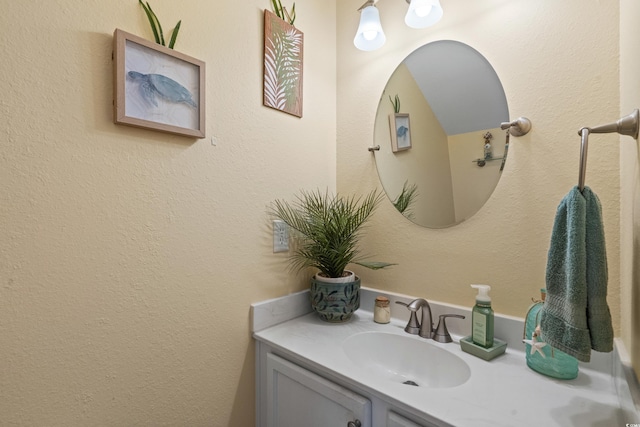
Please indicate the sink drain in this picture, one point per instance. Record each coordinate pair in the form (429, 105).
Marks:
(409, 382)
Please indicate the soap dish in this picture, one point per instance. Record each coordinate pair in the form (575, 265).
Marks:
(498, 348)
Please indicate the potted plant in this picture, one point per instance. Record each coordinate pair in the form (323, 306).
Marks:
(328, 229)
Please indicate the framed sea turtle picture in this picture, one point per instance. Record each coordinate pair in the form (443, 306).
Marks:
(157, 88)
(400, 131)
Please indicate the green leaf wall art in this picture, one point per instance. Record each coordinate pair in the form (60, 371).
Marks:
(283, 53)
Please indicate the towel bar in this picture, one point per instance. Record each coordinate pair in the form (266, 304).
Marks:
(628, 125)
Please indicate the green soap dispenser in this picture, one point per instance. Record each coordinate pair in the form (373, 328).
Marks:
(482, 318)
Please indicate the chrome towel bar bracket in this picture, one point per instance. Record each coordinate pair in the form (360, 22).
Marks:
(628, 125)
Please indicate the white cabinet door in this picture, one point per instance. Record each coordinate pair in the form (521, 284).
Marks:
(395, 420)
(297, 397)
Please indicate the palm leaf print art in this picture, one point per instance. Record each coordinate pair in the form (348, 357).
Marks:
(283, 48)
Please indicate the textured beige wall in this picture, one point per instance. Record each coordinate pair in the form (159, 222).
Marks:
(128, 257)
(630, 182)
(558, 63)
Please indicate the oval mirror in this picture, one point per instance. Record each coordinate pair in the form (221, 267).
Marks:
(438, 128)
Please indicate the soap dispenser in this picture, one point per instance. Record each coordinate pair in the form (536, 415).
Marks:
(482, 318)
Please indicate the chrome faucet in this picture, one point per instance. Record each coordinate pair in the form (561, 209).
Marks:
(424, 328)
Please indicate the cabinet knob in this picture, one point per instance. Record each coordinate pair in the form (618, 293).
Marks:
(355, 423)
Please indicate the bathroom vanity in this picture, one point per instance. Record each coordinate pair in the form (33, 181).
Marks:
(361, 373)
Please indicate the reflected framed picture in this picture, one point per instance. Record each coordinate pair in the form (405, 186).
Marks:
(400, 132)
(157, 88)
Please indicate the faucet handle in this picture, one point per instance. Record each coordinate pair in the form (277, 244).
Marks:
(442, 334)
(413, 327)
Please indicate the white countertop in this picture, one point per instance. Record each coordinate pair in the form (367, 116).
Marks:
(500, 392)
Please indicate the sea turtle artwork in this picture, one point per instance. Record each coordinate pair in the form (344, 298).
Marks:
(152, 85)
(402, 131)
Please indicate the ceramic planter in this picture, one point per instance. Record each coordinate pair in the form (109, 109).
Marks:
(334, 301)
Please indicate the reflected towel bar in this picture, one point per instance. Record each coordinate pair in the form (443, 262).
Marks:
(627, 125)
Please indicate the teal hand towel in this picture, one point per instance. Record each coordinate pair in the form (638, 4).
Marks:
(598, 314)
(575, 317)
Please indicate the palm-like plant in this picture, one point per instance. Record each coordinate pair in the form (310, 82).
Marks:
(328, 230)
(158, 34)
(405, 199)
(396, 103)
(281, 12)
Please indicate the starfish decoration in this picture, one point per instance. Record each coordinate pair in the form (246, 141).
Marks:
(535, 345)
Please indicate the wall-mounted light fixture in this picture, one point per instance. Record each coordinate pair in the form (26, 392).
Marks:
(370, 35)
(421, 14)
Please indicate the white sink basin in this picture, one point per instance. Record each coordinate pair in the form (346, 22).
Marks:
(406, 359)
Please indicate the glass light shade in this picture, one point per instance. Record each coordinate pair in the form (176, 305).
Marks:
(423, 13)
(370, 35)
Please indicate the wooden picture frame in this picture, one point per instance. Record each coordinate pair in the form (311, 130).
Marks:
(157, 88)
(283, 65)
(400, 127)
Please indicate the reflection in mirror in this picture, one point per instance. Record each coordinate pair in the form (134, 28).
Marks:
(454, 103)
